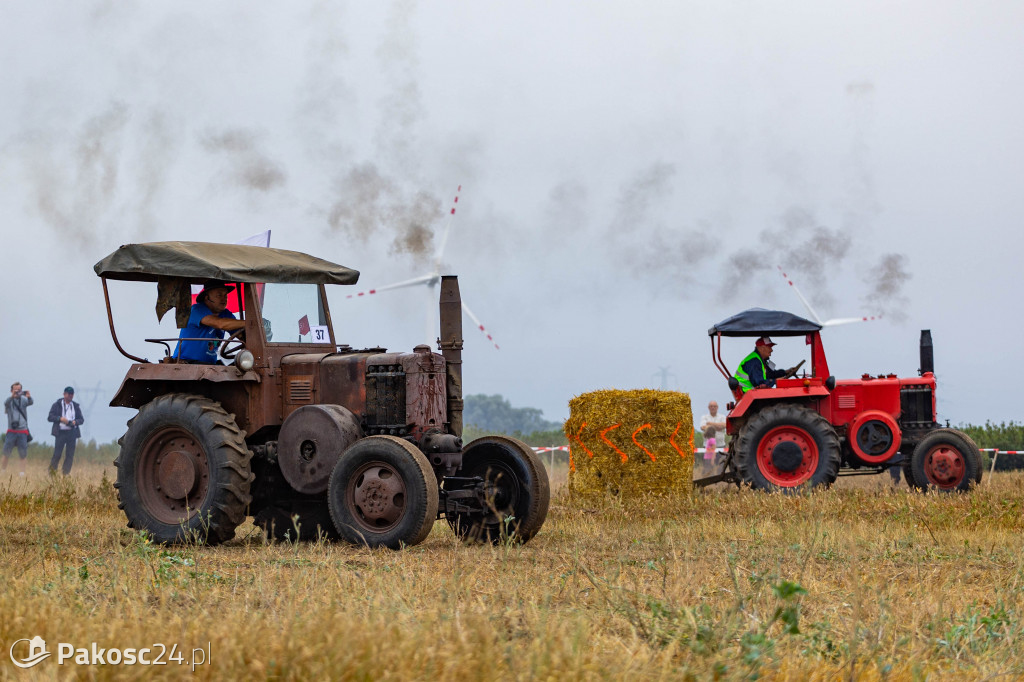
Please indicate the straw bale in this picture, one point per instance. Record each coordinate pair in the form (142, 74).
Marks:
(630, 443)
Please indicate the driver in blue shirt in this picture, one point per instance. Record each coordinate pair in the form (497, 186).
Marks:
(209, 319)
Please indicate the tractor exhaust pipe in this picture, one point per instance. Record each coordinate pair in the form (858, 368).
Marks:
(927, 353)
(450, 345)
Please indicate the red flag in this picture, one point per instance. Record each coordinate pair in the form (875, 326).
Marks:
(304, 325)
(261, 239)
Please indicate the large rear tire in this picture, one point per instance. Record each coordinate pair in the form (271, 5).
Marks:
(518, 491)
(183, 471)
(382, 493)
(785, 447)
(946, 460)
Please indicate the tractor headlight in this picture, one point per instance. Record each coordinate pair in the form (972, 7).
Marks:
(245, 360)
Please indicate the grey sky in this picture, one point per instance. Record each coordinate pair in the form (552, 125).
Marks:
(631, 175)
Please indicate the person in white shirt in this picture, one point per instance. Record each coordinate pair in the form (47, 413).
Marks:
(715, 421)
(66, 416)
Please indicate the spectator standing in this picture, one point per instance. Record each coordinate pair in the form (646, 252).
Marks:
(710, 448)
(712, 426)
(713, 419)
(894, 471)
(16, 408)
(66, 416)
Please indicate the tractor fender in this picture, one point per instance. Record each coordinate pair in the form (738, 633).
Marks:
(147, 381)
(758, 397)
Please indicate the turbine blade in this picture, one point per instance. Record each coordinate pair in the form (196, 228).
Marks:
(803, 300)
(444, 234)
(425, 279)
(473, 317)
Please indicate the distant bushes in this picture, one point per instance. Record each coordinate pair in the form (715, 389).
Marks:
(87, 451)
(1002, 436)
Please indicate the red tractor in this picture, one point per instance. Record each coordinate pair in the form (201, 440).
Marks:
(810, 429)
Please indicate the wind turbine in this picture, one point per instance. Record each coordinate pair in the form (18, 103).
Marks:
(431, 280)
(814, 315)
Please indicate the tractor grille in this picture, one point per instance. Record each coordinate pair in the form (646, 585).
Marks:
(300, 390)
(916, 407)
(385, 396)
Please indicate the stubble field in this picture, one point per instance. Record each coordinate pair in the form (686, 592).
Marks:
(864, 581)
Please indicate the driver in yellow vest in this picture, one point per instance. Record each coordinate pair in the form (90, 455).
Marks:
(755, 371)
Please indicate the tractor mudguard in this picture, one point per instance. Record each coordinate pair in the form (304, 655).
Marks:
(758, 395)
(137, 388)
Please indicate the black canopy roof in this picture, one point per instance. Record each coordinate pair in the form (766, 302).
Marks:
(198, 261)
(761, 322)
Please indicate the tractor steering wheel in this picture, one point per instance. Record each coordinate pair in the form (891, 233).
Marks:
(237, 337)
(792, 370)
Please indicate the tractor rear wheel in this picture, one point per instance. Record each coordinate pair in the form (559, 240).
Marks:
(517, 491)
(183, 471)
(946, 460)
(383, 493)
(784, 447)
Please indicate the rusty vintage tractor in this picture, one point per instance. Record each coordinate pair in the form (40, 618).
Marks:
(311, 437)
(807, 430)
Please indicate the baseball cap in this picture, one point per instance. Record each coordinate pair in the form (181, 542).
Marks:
(69, 389)
(764, 341)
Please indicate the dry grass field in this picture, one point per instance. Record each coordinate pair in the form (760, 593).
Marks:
(864, 581)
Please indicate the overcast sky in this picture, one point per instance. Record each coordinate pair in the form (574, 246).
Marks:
(630, 173)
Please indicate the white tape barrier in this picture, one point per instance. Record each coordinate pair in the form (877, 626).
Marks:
(565, 448)
(995, 455)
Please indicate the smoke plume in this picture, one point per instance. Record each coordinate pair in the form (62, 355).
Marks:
(886, 280)
(368, 203)
(248, 166)
(401, 108)
(565, 210)
(72, 198)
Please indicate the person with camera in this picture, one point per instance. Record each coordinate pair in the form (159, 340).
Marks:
(16, 408)
(66, 416)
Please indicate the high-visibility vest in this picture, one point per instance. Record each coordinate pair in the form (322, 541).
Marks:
(741, 374)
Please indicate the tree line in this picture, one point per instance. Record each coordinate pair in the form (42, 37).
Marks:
(487, 415)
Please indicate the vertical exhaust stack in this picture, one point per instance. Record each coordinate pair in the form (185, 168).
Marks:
(450, 345)
(927, 353)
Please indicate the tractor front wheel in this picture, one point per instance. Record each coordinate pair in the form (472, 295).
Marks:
(783, 447)
(382, 493)
(946, 460)
(183, 472)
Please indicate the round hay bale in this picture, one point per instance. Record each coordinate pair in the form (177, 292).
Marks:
(630, 443)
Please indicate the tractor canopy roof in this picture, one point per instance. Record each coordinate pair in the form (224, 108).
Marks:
(761, 322)
(198, 261)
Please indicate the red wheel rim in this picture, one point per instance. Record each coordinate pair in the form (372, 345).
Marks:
(779, 436)
(376, 497)
(944, 466)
